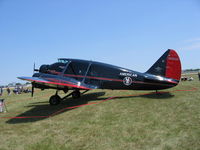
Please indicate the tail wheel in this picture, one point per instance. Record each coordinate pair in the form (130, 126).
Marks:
(54, 100)
(76, 94)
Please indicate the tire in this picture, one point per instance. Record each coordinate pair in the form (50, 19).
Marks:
(54, 100)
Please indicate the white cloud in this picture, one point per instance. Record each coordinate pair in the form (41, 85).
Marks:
(192, 44)
(193, 40)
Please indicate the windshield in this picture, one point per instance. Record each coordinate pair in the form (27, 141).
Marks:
(62, 60)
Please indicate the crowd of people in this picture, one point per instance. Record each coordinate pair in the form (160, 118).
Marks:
(16, 90)
(7, 89)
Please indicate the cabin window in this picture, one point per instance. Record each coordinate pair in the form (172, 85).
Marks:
(97, 70)
(77, 68)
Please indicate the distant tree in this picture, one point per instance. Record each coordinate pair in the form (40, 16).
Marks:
(11, 84)
(27, 83)
(18, 84)
(191, 70)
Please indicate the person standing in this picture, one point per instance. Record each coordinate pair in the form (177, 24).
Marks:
(1, 91)
(8, 90)
(199, 75)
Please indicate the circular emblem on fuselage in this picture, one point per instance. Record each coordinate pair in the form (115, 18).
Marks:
(127, 81)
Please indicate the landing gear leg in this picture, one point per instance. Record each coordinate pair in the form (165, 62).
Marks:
(158, 93)
(55, 99)
(76, 94)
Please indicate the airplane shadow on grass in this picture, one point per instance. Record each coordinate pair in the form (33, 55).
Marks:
(42, 110)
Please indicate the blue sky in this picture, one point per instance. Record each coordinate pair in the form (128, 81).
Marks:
(128, 33)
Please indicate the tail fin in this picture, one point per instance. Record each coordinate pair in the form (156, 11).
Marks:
(168, 65)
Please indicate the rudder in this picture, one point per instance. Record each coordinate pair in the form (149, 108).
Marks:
(168, 65)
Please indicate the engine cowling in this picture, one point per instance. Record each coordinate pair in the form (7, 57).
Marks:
(44, 68)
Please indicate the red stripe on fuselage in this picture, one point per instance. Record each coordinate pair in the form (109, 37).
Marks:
(118, 80)
(90, 77)
(161, 84)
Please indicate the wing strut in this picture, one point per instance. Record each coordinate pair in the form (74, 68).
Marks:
(86, 72)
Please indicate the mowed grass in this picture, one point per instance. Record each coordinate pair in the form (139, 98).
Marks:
(167, 121)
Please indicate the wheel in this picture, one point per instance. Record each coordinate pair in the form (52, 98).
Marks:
(54, 100)
(76, 94)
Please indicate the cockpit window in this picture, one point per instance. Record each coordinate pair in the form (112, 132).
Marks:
(63, 61)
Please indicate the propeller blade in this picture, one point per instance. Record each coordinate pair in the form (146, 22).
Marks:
(34, 68)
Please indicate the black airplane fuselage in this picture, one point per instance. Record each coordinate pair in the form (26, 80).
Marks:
(101, 75)
(76, 75)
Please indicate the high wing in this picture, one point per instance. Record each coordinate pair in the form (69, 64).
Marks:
(60, 83)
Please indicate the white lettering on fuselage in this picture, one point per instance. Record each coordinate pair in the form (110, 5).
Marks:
(128, 74)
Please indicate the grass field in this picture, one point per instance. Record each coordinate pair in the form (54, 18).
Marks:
(168, 121)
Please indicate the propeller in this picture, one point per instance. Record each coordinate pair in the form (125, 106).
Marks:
(34, 68)
(32, 91)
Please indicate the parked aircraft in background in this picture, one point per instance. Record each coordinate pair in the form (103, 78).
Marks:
(76, 75)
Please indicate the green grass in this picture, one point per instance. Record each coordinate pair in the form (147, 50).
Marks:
(170, 121)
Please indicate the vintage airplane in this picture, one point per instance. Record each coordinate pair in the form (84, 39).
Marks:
(76, 75)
